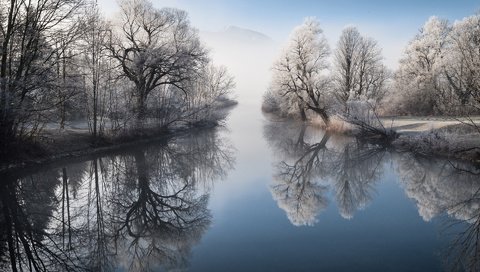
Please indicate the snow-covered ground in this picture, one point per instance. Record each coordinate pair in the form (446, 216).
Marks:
(409, 125)
(453, 138)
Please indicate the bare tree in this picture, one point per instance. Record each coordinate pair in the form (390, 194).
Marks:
(68, 85)
(299, 74)
(28, 31)
(359, 73)
(461, 70)
(205, 93)
(418, 81)
(155, 48)
(99, 70)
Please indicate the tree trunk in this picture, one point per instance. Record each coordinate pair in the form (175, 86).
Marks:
(325, 117)
(63, 102)
(303, 115)
(95, 104)
(140, 110)
(323, 114)
(6, 122)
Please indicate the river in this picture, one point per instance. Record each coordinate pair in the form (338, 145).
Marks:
(256, 194)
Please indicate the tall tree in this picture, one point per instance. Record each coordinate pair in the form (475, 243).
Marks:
(99, 69)
(28, 31)
(155, 48)
(359, 72)
(419, 76)
(462, 65)
(299, 74)
(211, 85)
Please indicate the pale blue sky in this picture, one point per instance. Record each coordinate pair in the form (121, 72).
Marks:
(392, 23)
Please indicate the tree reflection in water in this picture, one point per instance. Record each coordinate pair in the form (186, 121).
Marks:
(141, 210)
(309, 167)
(27, 206)
(453, 188)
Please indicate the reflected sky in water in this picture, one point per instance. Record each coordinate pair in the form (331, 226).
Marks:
(356, 209)
(262, 195)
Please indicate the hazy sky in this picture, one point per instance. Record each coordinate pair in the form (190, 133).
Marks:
(392, 23)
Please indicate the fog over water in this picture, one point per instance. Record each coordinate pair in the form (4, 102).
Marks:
(249, 56)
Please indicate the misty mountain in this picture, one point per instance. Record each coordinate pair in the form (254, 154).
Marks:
(241, 49)
(236, 35)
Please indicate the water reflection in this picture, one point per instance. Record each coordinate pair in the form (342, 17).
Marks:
(26, 207)
(453, 188)
(141, 210)
(312, 166)
(311, 163)
(147, 207)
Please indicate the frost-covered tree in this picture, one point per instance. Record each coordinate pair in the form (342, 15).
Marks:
(155, 48)
(440, 70)
(29, 35)
(99, 70)
(299, 81)
(68, 87)
(462, 66)
(359, 72)
(60, 59)
(205, 93)
(418, 81)
(196, 101)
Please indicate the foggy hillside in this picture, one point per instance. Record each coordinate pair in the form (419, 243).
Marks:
(248, 54)
(237, 36)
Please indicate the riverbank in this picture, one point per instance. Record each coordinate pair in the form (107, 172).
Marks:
(449, 138)
(447, 142)
(55, 145)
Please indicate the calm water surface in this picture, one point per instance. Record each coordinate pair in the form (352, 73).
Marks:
(257, 195)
